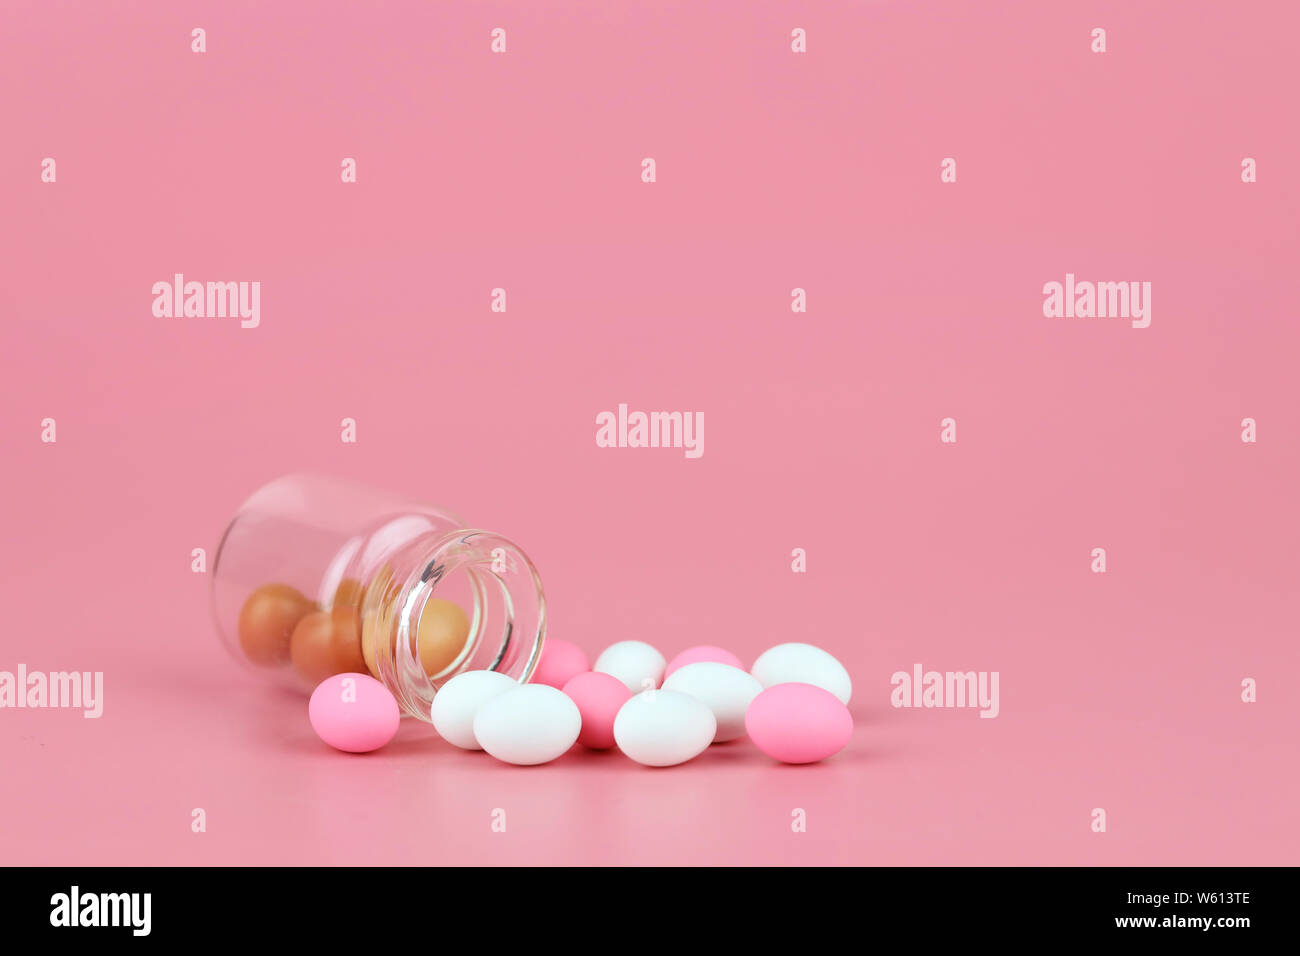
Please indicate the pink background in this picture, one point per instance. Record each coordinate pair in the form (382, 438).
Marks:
(775, 170)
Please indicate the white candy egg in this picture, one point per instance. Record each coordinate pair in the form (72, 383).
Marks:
(726, 690)
(458, 701)
(660, 728)
(803, 664)
(533, 723)
(634, 663)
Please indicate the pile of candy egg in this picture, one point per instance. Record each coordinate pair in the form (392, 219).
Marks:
(279, 626)
(792, 703)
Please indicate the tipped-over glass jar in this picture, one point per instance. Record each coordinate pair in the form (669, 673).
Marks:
(318, 576)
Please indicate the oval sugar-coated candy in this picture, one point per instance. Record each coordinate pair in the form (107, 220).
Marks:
(798, 723)
(457, 703)
(803, 664)
(725, 689)
(560, 662)
(635, 663)
(531, 724)
(349, 593)
(662, 728)
(353, 712)
(326, 643)
(441, 634)
(702, 653)
(599, 698)
(266, 622)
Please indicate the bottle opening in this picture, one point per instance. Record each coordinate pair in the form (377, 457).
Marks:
(469, 600)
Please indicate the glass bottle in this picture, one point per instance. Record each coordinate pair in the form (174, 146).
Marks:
(318, 576)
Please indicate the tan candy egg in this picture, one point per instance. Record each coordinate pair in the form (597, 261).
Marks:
(267, 620)
(326, 643)
(442, 634)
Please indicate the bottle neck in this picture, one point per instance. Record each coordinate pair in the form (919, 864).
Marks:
(484, 575)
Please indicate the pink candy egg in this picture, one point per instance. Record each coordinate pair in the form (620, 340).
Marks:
(353, 712)
(704, 653)
(599, 698)
(560, 662)
(798, 723)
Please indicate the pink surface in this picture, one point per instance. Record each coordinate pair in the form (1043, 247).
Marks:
(775, 171)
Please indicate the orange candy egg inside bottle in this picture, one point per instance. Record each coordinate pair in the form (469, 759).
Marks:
(267, 621)
(441, 636)
(278, 624)
(326, 643)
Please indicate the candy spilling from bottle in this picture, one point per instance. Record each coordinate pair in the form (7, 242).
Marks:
(366, 646)
(792, 704)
